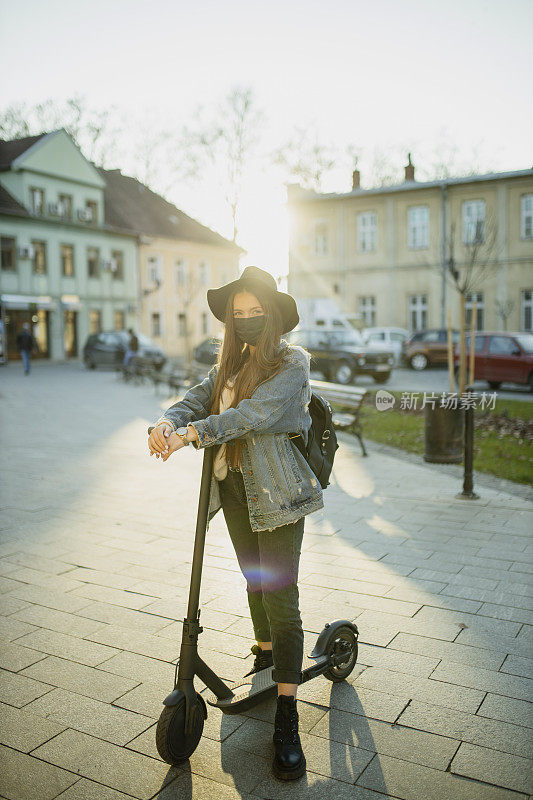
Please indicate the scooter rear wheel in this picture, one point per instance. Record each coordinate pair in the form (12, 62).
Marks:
(342, 641)
(173, 744)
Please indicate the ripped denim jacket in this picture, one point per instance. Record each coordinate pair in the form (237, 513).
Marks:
(280, 485)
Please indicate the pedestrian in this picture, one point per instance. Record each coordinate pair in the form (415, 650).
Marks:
(132, 348)
(256, 393)
(26, 344)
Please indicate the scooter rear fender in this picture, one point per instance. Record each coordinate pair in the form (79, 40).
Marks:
(326, 634)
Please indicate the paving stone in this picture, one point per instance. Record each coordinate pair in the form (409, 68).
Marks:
(12, 629)
(116, 767)
(507, 644)
(313, 787)
(116, 597)
(69, 647)
(141, 643)
(507, 612)
(518, 712)
(426, 689)
(495, 767)
(381, 737)
(124, 617)
(13, 657)
(468, 727)
(57, 620)
(338, 760)
(22, 730)
(140, 668)
(90, 716)
(397, 778)
(89, 790)
(188, 785)
(494, 627)
(396, 661)
(49, 598)
(27, 778)
(78, 678)
(18, 690)
(449, 651)
(484, 679)
(346, 697)
(10, 604)
(515, 665)
(146, 699)
(380, 629)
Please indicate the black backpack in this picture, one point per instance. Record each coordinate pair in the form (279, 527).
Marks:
(322, 442)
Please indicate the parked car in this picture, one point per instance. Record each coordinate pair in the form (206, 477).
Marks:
(427, 348)
(340, 354)
(107, 349)
(501, 357)
(391, 338)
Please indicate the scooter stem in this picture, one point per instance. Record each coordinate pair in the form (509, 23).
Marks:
(199, 538)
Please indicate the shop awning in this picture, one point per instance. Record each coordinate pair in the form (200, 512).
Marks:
(23, 302)
(71, 302)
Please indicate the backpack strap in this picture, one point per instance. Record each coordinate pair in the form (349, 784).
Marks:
(298, 440)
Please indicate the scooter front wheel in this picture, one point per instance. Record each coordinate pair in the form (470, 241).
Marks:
(173, 744)
(342, 644)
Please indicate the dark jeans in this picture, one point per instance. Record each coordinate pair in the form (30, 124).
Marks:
(269, 561)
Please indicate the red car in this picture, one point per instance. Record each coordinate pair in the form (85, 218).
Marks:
(500, 357)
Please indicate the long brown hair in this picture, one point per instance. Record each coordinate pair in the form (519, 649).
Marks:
(235, 358)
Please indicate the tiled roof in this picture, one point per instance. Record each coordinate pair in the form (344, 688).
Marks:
(10, 150)
(131, 205)
(8, 204)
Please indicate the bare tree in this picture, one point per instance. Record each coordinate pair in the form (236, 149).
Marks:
(226, 141)
(504, 309)
(93, 130)
(305, 159)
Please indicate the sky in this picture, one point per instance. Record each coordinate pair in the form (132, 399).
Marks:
(399, 74)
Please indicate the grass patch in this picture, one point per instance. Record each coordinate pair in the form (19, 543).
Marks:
(502, 438)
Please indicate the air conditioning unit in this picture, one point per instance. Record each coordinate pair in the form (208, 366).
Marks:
(26, 251)
(85, 214)
(55, 209)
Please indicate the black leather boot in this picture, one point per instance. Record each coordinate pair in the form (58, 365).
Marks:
(263, 659)
(289, 760)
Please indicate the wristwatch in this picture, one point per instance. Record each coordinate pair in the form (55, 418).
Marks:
(182, 433)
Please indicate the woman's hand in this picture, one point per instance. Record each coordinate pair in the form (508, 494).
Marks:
(174, 442)
(157, 441)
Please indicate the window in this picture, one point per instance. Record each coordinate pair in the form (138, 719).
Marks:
(205, 324)
(67, 260)
(37, 201)
(7, 248)
(181, 273)
(473, 221)
(417, 311)
(367, 309)
(526, 297)
(39, 258)
(119, 319)
(118, 257)
(320, 239)
(366, 231)
(479, 343)
(156, 324)
(203, 273)
(182, 324)
(153, 270)
(92, 206)
(526, 203)
(65, 202)
(95, 320)
(480, 309)
(93, 262)
(418, 227)
(501, 346)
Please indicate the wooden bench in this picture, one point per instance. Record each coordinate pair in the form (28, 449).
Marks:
(346, 402)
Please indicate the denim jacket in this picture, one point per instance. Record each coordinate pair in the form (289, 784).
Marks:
(280, 485)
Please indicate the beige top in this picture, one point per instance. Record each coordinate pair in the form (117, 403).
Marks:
(220, 465)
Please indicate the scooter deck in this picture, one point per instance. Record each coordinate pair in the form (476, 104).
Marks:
(259, 687)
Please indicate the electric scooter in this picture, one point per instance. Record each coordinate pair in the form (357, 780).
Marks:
(181, 723)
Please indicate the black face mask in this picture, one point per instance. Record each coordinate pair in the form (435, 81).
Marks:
(249, 329)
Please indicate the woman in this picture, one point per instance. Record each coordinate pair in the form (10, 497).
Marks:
(252, 398)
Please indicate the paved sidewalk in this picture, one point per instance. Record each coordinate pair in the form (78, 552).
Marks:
(95, 547)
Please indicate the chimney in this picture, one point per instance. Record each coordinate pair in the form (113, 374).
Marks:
(356, 180)
(409, 170)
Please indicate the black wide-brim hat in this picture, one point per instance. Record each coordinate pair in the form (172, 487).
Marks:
(254, 278)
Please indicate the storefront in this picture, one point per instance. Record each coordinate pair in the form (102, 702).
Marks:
(15, 311)
(70, 305)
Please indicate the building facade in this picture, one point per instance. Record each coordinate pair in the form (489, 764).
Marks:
(385, 254)
(63, 269)
(179, 259)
